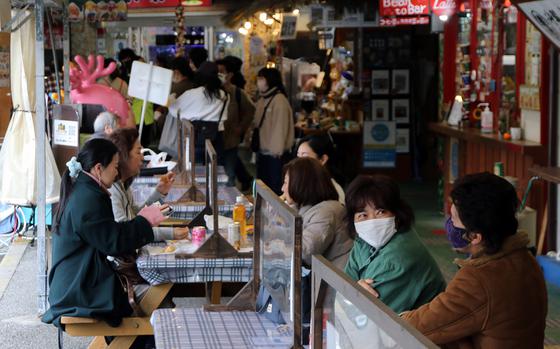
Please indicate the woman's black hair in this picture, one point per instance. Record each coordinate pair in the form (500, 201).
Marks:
(198, 55)
(486, 204)
(233, 65)
(207, 76)
(95, 151)
(115, 74)
(323, 145)
(273, 79)
(181, 64)
(379, 191)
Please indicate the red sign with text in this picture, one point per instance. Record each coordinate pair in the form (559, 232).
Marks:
(444, 7)
(167, 3)
(397, 21)
(403, 7)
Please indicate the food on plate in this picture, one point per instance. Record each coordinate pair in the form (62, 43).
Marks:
(170, 249)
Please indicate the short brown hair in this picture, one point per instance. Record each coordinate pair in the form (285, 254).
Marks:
(310, 182)
(124, 139)
(383, 193)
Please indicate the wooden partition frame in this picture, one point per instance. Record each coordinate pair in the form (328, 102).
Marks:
(325, 274)
(246, 298)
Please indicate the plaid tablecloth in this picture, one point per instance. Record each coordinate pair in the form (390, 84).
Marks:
(226, 195)
(159, 269)
(192, 328)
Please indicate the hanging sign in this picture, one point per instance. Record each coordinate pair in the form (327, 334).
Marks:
(398, 21)
(97, 11)
(444, 7)
(403, 7)
(544, 15)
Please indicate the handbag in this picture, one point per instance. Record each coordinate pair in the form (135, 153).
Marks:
(256, 138)
(208, 129)
(127, 271)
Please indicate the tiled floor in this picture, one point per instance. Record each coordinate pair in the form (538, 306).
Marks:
(423, 198)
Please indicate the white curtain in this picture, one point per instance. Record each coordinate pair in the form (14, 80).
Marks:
(18, 183)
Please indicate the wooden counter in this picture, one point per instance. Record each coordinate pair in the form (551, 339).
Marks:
(467, 150)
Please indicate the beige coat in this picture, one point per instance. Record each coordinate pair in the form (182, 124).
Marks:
(325, 233)
(495, 301)
(277, 131)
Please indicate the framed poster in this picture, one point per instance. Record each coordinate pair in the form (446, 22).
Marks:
(402, 140)
(288, 30)
(379, 82)
(400, 84)
(379, 144)
(380, 110)
(401, 111)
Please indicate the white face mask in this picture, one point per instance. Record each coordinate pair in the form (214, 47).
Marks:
(261, 85)
(376, 232)
(222, 78)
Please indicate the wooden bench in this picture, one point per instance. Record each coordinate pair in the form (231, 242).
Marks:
(129, 329)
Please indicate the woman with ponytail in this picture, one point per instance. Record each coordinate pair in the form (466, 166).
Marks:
(81, 280)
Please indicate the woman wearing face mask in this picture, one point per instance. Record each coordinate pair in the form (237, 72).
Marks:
(320, 147)
(388, 259)
(275, 123)
(206, 106)
(82, 282)
(498, 297)
(124, 207)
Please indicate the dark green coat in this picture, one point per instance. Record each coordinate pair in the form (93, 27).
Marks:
(405, 274)
(81, 280)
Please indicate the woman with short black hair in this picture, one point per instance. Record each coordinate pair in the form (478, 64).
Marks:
(308, 187)
(388, 259)
(498, 298)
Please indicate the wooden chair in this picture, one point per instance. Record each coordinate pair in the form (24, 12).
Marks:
(126, 333)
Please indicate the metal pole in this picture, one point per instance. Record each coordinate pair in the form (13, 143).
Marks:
(40, 156)
(66, 52)
(55, 62)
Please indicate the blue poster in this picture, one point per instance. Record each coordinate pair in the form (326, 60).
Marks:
(379, 144)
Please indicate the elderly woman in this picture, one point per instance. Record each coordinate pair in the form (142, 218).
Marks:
(498, 297)
(388, 258)
(124, 207)
(308, 187)
(105, 123)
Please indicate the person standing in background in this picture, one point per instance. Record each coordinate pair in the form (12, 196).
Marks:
(241, 111)
(275, 122)
(197, 56)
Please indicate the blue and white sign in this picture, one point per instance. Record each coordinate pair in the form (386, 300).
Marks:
(379, 144)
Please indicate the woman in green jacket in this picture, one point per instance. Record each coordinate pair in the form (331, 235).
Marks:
(388, 258)
(82, 282)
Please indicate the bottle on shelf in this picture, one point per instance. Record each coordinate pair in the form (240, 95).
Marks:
(240, 217)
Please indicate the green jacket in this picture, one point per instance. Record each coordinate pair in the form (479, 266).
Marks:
(405, 274)
(82, 282)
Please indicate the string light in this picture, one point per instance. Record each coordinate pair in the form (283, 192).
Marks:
(269, 21)
(443, 18)
(243, 31)
(247, 25)
(296, 12)
(263, 16)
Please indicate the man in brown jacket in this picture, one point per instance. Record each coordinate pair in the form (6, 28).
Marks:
(498, 297)
(241, 111)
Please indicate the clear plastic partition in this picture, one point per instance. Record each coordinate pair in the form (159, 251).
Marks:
(346, 316)
(279, 258)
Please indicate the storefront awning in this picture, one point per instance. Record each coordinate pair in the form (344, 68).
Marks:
(545, 16)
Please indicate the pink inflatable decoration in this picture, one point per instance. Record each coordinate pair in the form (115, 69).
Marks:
(85, 90)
